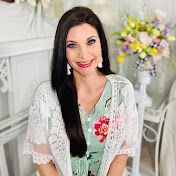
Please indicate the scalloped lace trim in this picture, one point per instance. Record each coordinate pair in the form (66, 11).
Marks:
(129, 151)
(37, 158)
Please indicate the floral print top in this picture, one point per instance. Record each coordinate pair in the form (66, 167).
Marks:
(95, 127)
(46, 139)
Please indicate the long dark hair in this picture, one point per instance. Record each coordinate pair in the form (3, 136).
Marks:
(64, 84)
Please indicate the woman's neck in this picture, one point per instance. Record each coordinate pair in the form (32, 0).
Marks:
(90, 82)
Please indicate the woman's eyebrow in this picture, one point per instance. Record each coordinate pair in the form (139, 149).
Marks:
(70, 41)
(91, 37)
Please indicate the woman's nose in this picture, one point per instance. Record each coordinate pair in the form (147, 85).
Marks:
(83, 52)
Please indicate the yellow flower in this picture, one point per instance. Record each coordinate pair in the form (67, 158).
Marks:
(143, 46)
(154, 51)
(131, 22)
(134, 47)
(121, 57)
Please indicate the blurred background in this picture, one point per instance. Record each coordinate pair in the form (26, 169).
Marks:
(27, 29)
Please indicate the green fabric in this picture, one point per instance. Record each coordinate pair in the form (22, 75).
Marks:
(91, 163)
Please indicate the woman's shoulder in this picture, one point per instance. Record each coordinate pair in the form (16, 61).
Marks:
(43, 88)
(115, 78)
(44, 94)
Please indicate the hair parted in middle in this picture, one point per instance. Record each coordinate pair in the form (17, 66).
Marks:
(63, 84)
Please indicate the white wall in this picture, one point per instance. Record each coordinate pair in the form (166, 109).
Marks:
(15, 26)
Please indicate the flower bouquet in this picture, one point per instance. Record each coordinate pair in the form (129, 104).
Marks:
(148, 39)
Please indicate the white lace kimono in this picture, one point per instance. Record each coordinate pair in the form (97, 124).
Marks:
(47, 140)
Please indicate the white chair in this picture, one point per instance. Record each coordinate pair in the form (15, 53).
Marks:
(168, 146)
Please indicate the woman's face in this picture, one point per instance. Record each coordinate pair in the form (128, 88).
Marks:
(83, 49)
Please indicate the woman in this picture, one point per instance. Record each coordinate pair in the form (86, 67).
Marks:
(84, 121)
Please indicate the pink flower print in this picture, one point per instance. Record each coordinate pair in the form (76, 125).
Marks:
(101, 127)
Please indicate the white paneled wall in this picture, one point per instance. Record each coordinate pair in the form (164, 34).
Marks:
(28, 69)
(29, 63)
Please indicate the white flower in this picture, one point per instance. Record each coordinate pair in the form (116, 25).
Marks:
(144, 38)
(160, 15)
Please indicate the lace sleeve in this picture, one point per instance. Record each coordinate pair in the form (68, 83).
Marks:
(36, 143)
(131, 139)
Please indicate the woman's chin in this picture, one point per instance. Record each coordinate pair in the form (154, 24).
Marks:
(87, 72)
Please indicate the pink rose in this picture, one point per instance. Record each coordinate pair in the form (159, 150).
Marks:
(126, 43)
(156, 40)
(101, 127)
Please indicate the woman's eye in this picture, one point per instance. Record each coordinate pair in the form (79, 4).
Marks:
(92, 41)
(71, 45)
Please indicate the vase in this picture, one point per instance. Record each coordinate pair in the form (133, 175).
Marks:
(143, 100)
(145, 79)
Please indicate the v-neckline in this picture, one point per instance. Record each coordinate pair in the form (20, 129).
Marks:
(97, 103)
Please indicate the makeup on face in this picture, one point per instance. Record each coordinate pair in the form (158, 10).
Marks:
(83, 48)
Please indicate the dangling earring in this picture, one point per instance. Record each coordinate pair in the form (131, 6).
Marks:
(68, 69)
(100, 65)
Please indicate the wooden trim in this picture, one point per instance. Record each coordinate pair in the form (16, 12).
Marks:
(21, 47)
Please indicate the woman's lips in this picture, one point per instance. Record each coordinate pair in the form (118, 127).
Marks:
(84, 64)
